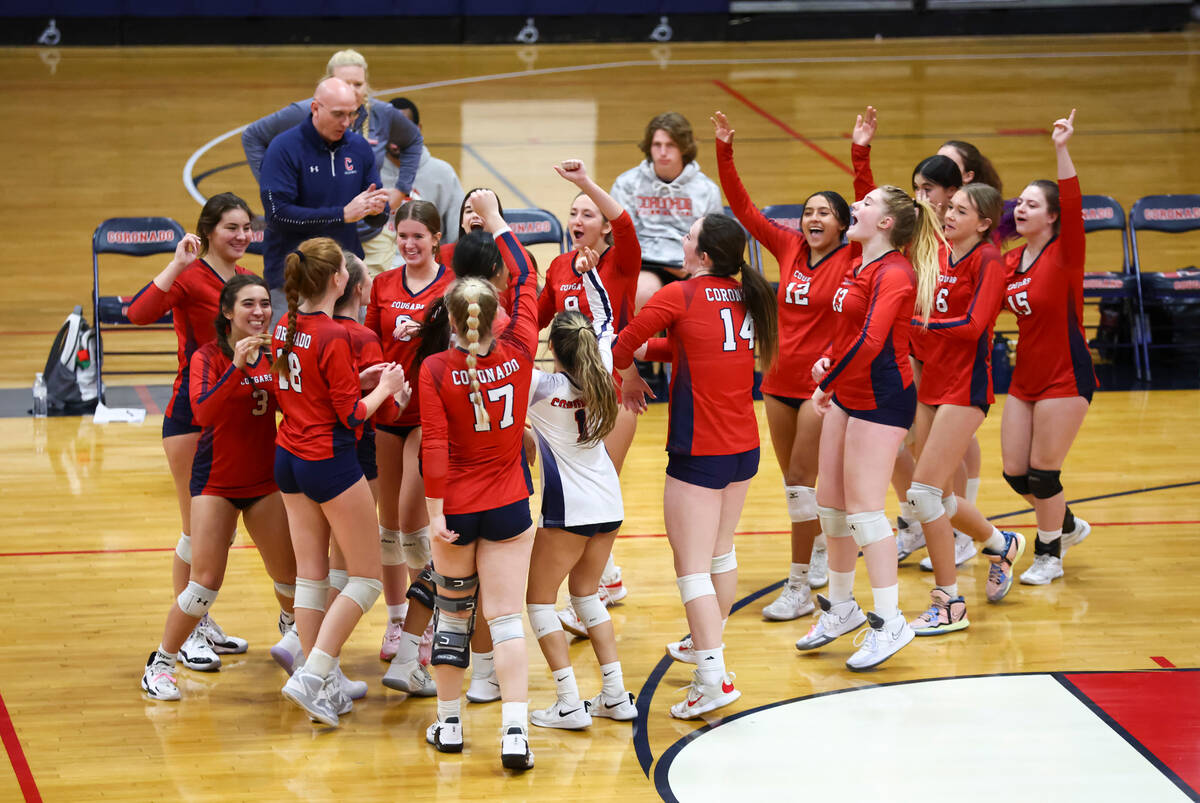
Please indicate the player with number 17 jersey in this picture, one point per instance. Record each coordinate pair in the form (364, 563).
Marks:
(469, 463)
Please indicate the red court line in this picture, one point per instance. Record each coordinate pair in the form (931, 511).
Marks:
(1109, 524)
(147, 400)
(1163, 662)
(16, 756)
(19, 332)
(785, 127)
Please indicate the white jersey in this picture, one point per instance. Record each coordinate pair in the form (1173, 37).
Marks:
(579, 482)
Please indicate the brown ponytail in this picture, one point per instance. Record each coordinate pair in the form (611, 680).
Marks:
(306, 274)
(575, 345)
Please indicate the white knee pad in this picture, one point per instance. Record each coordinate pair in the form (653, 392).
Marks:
(195, 600)
(506, 628)
(389, 546)
(285, 590)
(950, 504)
(184, 548)
(543, 619)
(338, 579)
(363, 590)
(724, 563)
(801, 502)
(311, 594)
(415, 548)
(693, 586)
(925, 502)
(867, 528)
(833, 522)
(591, 610)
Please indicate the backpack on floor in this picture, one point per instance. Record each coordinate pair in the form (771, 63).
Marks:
(71, 382)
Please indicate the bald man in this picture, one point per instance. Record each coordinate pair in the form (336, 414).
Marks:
(318, 179)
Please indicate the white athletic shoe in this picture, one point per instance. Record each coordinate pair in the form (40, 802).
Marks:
(514, 748)
(484, 689)
(834, 621)
(1045, 568)
(339, 696)
(197, 653)
(410, 677)
(355, 689)
(571, 622)
(702, 698)
(880, 641)
(909, 537)
(568, 716)
(287, 652)
(623, 710)
(312, 693)
(964, 550)
(792, 603)
(391, 640)
(1082, 530)
(158, 681)
(683, 651)
(446, 736)
(818, 568)
(611, 583)
(221, 643)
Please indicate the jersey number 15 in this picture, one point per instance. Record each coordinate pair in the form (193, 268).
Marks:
(1020, 303)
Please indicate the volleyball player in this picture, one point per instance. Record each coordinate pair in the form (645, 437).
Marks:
(867, 396)
(230, 387)
(713, 322)
(812, 262)
(316, 467)
(189, 288)
(1053, 380)
(474, 398)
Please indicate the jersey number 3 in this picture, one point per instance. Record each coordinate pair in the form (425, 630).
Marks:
(504, 392)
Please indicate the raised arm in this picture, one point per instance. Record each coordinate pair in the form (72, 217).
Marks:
(860, 152)
(1070, 200)
(258, 135)
(155, 299)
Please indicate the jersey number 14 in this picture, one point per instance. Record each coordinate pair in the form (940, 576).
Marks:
(745, 332)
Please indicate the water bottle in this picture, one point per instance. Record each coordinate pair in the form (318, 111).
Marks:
(39, 396)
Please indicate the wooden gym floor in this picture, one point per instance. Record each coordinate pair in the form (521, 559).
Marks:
(91, 518)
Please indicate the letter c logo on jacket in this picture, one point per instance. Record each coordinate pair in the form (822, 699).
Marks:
(349, 165)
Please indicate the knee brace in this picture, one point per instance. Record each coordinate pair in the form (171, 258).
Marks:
(184, 548)
(455, 604)
(833, 522)
(195, 600)
(421, 589)
(389, 547)
(801, 503)
(1018, 482)
(869, 528)
(724, 563)
(285, 590)
(506, 628)
(415, 548)
(925, 502)
(364, 591)
(543, 619)
(693, 586)
(591, 610)
(1044, 484)
(311, 594)
(338, 579)
(950, 505)
(451, 640)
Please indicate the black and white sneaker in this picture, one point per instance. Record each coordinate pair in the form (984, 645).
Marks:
(197, 653)
(446, 736)
(622, 709)
(158, 681)
(221, 643)
(514, 748)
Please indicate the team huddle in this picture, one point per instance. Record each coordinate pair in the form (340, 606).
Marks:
(400, 465)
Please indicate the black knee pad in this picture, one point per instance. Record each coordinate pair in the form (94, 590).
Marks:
(1018, 482)
(421, 592)
(1044, 484)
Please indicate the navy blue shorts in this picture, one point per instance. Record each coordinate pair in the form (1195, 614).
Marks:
(790, 401)
(319, 480)
(495, 524)
(588, 530)
(713, 471)
(898, 410)
(366, 455)
(399, 432)
(245, 502)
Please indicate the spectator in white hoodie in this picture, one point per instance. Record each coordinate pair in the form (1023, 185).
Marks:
(665, 195)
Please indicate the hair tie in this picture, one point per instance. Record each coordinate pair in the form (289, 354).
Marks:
(298, 253)
(916, 204)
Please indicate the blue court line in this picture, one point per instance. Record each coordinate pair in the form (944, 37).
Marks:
(525, 199)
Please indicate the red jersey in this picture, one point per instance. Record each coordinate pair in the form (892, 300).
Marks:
(618, 270)
(711, 336)
(957, 345)
(806, 316)
(235, 457)
(392, 300)
(869, 357)
(1053, 360)
(192, 301)
(366, 351)
(470, 463)
(318, 389)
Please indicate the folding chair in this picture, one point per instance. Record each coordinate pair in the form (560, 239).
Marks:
(533, 226)
(1171, 214)
(131, 236)
(1103, 213)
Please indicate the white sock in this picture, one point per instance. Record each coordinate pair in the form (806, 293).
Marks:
(972, 489)
(995, 542)
(613, 680)
(172, 657)
(887, 601)
(799, 575)
(1049, 536)
(408, 649)
(710, 664)
(515, 714)
(481, 664)
(564, 684)
(951, 589)
(449, 708)
(396, 613)
(841, 586)
(320, 663)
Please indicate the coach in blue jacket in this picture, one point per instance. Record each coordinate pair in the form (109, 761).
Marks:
(318, 179)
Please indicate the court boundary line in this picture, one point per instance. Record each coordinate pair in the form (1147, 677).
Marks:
(16, 756)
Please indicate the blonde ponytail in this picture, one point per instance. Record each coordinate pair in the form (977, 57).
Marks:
(472, 296)
(577, 349)
(923, 254)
